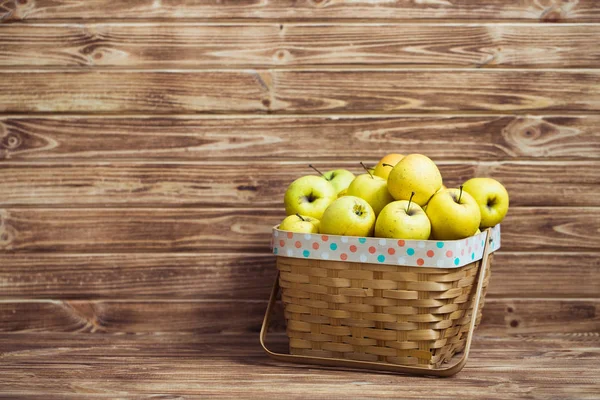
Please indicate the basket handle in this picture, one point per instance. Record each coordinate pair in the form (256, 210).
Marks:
(336, 362)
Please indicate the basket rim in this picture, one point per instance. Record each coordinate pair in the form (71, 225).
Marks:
(446, 254)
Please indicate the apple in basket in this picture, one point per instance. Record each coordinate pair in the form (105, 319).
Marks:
(339, 178)
(491, 197)
(454, 214)
(309, 195)
(415, 173)
(372, 188)
(300, 223)
(386, 164)
(348, 216)
(403, 219)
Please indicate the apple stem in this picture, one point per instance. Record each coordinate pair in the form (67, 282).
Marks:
(300, 216)
(366, 169)
(409, 201)
(320, 173)
(387, 165)
(460, 194)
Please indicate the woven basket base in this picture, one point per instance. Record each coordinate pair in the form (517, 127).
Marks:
(374, 312)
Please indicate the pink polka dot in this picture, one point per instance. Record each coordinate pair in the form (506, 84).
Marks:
(372, 250)
(290, 235)
(315, 246)
(401, 243)
(298, 245)
(420, 261)
(462, 252)
(430, 253)
(281, 243)
(353, 248)
(391, 251)
(470, 250)
(344, 256)
(449, 253)
(324, 238)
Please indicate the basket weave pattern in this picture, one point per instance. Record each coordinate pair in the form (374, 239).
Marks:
(374, 312)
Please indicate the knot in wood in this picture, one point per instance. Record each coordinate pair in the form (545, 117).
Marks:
(11, 141)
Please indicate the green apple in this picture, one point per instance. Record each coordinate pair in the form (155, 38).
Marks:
(403, 219)
(348, 216)
(385, 165)
(373, 189)
(309, 195)
(415, 173)
(300, 223)
(492, 198)
(339, 178)
(454, 214)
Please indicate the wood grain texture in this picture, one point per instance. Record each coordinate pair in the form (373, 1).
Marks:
(233, 366)
(279, 138)
(263, 184)
(287, 91)
(167, 45)
(529, 10)
(239, 230)
(249, 276)
(529, 317)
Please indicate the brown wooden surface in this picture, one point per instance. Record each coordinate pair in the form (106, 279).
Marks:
(301, 91)
(175, 366)
(262, 184)
(159, 45)
(145, 146)
(281, 138)
(249, 275)
(529, 10)
(237, 230)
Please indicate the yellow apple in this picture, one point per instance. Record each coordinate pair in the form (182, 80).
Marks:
(348, 216)
(371, 188)
(492, 198)
(415, 173)
(342, 193)
(385, 165)
(300, 223)
(403, 220)
(339, 178)
(453, 214)
(309, 195)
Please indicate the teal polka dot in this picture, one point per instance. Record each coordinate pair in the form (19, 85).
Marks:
(410, 251)
(306, 253)
(483, 243)
(333, 246)
(456, 260)
(439, 245)
(362, 240)
(381, 258)
(275, 250)
(472, 256)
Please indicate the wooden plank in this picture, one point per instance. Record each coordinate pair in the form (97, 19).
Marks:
(262, 184)
(534, 317)
(308, 91)
(249, 276)
(528, 10)
(167, 45)
(226, 366)
(279, 138)
(238, 230)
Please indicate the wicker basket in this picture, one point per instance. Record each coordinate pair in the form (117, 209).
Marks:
(392, 317)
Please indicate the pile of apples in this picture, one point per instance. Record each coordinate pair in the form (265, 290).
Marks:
(403, 197)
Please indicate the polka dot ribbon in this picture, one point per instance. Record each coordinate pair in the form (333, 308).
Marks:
(412, 253)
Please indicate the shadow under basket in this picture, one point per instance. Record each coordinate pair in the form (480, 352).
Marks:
(407, 319)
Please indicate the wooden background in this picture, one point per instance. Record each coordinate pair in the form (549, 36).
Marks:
(145, 147)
